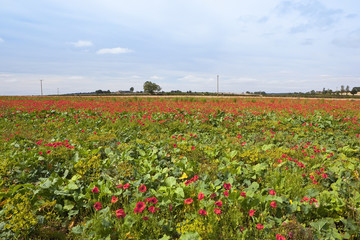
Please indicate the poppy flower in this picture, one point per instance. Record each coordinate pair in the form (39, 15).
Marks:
(226, 193)
(145, 218)
(126, 186)
(259, 226)
(218, 203)
(273, 204)
(201, 196)
(202, 212)
(272, 192)
(217, 211)
(188, 201)
(120, 213)
(280, 237)
(227, 186)
(251, 212)
(213, 195)
(97, 206)
(114, 199)
(142, 188)
(152, 209)
(243, 194)
(324, 175)
(140, 206)
(119, 186)
(95, 190)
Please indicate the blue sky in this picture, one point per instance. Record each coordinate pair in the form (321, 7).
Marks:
(267, 45)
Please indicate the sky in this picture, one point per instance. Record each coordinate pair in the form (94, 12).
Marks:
(259, 45)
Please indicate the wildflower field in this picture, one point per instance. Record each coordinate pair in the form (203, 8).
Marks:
(179, 168)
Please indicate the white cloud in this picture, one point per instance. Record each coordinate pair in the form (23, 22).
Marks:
(82, 43)
(156, 77)
(117, 50)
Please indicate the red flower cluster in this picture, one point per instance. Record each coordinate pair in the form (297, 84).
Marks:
(120, 213)
(140, 206)
(193, 179)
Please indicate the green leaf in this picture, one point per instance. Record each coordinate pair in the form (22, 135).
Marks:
(72, 186)
(180, 192)
(165, 237)
(77, 229)
(129, 221)
(68, 205)
(46, 184)
(190, 236)
(170, 181)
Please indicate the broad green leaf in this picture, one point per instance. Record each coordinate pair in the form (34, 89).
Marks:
(170, 181)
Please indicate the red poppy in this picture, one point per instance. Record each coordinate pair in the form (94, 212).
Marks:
(259, 226)
(114, 199)
(213, 195)
(97, 206)
(305, 199)
(218, 203)
(120, 213)
(273, 204)
(202, 212)
(140, 206)
(324, 175)
(251, 212)
(145, 218)
(152, 209)
(272, 192)
(227, 186)
(201, 196)
(188, 201)
(226, 193)
(126, 186)
(243, 194)
(95, 190)
(280, 237)
(142, 188)
(119, 186)
(217, 211)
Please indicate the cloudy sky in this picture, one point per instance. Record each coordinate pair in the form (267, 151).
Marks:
(258, 45)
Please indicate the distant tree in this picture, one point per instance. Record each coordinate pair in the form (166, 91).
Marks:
(354, 91)
(150, 87)
(131, 89)
(312, 92)
(99, 91)
(324, 91)
(347, 90)
(342, 89)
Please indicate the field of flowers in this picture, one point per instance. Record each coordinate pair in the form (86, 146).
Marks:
(179, 168)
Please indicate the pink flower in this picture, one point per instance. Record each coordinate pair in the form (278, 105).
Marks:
(126, 186)
(202, 212)
(120, 213)
(119, 186)
(97, 206)
(218, 203)
(142, 188)
(273, 204)
(227, 186)
(259, 226)
(188, 201)
(95, 190)
(324, 175)
(217, 211)
(114, 199)
(280, 237)
(226, 193)
(201, 196)
(251, 212)
(152, 209)
(243, 194)
(140, 206)
(272, 192)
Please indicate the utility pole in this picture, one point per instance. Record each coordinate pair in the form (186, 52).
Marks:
(41, 87)
(218, 85)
